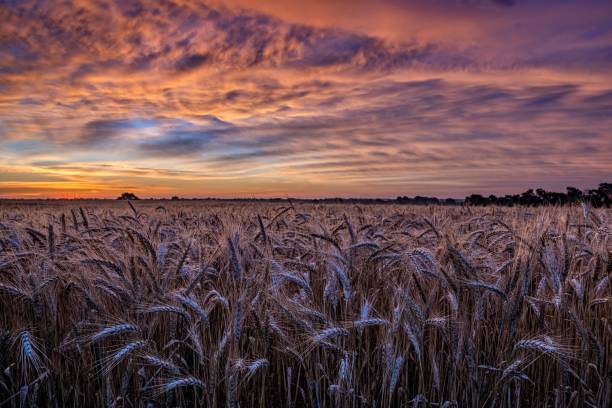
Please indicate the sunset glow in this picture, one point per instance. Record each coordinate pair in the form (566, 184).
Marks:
(278, 98)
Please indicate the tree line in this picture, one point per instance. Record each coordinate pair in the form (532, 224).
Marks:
(599, 197)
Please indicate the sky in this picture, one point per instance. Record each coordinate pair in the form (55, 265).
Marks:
(322, 98)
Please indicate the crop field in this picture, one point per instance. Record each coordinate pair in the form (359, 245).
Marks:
(224, 304)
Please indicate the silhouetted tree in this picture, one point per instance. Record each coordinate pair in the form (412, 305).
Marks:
(127, 196)
(605, 189)
(599, 197)
(528, 198)
(573, 195)
(476, 199)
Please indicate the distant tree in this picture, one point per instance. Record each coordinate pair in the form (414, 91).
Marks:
(573, 195)
(418, 200)
(425, 200)
(601, 196)
(175, 198)
(597, 198)
(127, 196)
(528, 198)
(476, 199)
(542, 196)
(605, 190)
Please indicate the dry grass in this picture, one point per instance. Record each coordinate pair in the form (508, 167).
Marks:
(218, 304)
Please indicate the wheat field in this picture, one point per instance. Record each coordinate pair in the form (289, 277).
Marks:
(164, 304)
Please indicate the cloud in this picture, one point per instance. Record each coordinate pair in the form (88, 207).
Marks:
(9, 176)
(176, 143)
(191, 61)
(190, 39)
(170, 94)
(546, 96)
(101, 131)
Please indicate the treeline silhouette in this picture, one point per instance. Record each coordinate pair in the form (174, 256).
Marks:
(599, 197)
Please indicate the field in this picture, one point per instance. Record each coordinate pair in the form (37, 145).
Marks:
(110, 303)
